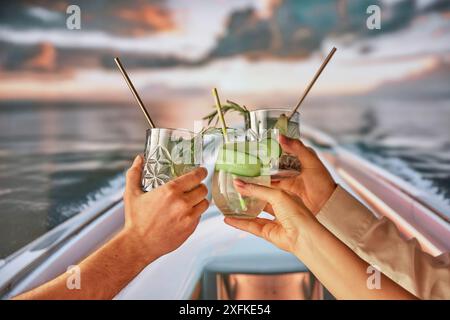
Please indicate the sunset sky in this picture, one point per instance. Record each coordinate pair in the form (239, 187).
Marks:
(244, 47)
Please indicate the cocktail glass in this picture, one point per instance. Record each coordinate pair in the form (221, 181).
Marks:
(269, 123)
(238, 159)
(169, 153)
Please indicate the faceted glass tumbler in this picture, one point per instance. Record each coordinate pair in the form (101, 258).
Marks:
(169, 153)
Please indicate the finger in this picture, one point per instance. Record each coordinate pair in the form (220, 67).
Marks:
(191, 179)
(255, 226)
(197, 194)
(199, 208)
(133, 179)
(255, 190)
(297, 148)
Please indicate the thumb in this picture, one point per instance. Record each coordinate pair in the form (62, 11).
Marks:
(133, 179)
(307, 157)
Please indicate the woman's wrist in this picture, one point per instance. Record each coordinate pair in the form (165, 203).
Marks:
(327, 193)
(306, 236)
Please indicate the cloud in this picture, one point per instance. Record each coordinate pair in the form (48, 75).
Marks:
(44, 14)
(132, 17)
(148, 16)
(136, 31)
(295, 29)
(43, 56)
(44, 60)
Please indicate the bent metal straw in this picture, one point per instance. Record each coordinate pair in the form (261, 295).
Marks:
(134, 92)
(316, 76)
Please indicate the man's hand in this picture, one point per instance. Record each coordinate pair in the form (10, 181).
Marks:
(292, 216)
(162, 219)
(156, 223)
(314, 185)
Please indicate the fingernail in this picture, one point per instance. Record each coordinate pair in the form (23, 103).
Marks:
(239, 183)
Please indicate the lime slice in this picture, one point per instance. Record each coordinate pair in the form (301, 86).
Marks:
(239, 163)
(282, 124)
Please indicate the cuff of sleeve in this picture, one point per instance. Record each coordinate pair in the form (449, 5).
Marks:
(346, 217)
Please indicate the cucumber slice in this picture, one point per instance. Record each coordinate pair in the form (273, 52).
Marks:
(250, 147)
(261, 149)
(239, 163)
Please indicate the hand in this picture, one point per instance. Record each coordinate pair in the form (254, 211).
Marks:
(291, 216)
(162, 219)
(314, 185)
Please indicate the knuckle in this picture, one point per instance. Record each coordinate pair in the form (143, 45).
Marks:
(182, 203)
(189, 220)
(172, 188)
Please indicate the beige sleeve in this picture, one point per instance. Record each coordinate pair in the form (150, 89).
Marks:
(379, 243)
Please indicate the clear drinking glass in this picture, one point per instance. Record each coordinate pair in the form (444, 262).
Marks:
(266, 123)
(169, 153)
(212, 143)
(238, 159)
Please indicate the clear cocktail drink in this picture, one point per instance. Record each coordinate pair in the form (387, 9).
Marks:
(238, 159)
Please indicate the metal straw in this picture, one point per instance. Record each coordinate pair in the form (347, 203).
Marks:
(134, 92)
(316, 76)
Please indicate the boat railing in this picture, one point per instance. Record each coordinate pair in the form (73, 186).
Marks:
(416, 213)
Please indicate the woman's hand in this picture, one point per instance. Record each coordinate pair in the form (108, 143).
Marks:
(296, 230)
(162, 219)
(291, 216)
(314, 185)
